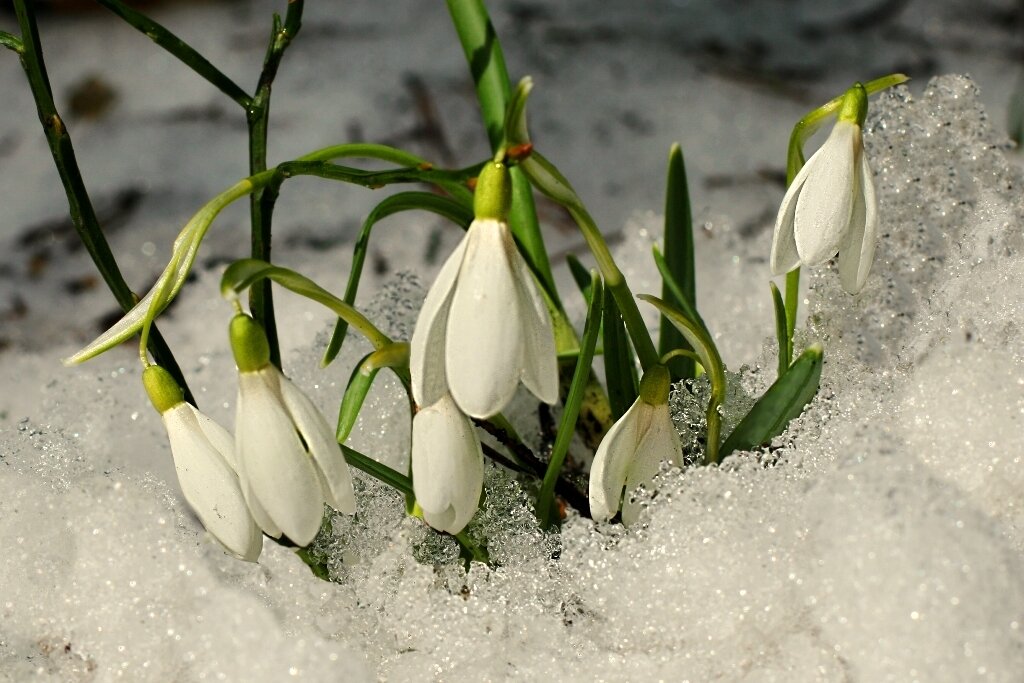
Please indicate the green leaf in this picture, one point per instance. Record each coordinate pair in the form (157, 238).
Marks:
(678, 294)
(619, 362)
(679, 261)
(378, 471)
(784, 400)
(451, 209)
(581, 275)
(781, 330)
(393, 356)
(567, 426)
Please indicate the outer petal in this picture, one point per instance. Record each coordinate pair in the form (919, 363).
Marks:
(319, 438)
(219, 437)
(858, 249)
(825, 204)
(447, 466)
(483, 344)
(277, 467)
(539, 362)
(784, 256)
(426, 352)
(660, 442)
(613, 459)
(209, 483)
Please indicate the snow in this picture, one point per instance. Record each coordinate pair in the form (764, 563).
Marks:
(880, 539)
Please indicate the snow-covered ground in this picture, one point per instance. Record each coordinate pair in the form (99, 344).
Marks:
(885, 545)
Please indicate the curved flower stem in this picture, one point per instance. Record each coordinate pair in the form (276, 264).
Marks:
(257, 116)
(487, 64)
(83, 216)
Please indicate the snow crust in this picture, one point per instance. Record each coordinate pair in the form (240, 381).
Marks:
(879, 539)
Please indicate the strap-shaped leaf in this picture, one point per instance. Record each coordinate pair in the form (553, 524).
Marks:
(619, 363)
(457, 212)
(781, 330)
(581, 275)
(784, 400)
(679, 261)
(394, 356)
(577, 388)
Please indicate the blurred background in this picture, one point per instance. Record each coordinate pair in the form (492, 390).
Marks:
(616, 84)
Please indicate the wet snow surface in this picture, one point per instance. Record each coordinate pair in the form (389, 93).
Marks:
(880, 539)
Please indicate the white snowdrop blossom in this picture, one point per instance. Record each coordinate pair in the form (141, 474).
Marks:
(484, 326)
(204, 460)
(288, 461)
(632, 451)
(831, 206)
(447, 465)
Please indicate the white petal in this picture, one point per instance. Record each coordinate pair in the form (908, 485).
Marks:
(426, 349)
(613, 459)
(540, 361)
(826, 200)
(277, 467)
(659, 443)
(447, 466)
(484, 337)
(858, 249)
(322, 446)
(784, 256)
(217, 435)
(210, 485)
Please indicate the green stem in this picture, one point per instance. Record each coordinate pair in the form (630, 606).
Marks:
(487, 64)
(261, 208)
(566, 429)
(180, 49)
(83, 216)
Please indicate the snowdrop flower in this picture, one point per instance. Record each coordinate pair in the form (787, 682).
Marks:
(484, 326)
(447, 465)
(633, 449)
(830, 206)
(203, 453)
(289, 463)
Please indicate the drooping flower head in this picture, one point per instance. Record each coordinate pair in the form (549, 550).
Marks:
(831, 206)
(632, 451)
(447, 465)
(288, 461)
(204, 460)
(484, 326)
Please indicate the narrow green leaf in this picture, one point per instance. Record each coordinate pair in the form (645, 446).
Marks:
(679, 260)
(567, 426)
(394, 356)
(619, 363)
(784, 400)
(378, 471)
(781, 329)
(451, 209)
(581, 275)
(678, 295)
(11, 42)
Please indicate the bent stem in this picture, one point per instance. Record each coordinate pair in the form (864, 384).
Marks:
(257, 116)
(83, 216)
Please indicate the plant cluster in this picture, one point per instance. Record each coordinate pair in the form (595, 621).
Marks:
(493, 318)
